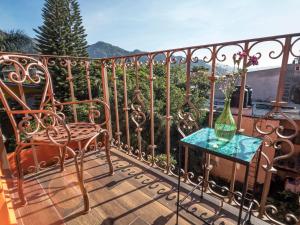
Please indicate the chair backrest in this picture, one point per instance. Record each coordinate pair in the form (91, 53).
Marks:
(25, 84)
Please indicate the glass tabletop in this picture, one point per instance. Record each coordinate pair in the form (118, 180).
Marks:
(240, 148)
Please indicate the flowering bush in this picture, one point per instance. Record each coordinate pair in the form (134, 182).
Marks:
(229, 81)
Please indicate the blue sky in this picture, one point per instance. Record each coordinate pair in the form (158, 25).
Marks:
(161, 24)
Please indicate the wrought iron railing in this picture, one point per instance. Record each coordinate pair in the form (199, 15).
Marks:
(138, 86)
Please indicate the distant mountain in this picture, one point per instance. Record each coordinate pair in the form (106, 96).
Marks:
(103, 50)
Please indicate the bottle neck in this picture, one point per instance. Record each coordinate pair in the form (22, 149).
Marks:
(226, 105)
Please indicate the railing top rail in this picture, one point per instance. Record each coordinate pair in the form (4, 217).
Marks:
(162, 51)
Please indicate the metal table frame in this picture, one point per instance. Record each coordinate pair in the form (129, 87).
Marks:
(203, 181)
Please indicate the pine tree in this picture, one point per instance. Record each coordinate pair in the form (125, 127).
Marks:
(62, 32)
(80, 43)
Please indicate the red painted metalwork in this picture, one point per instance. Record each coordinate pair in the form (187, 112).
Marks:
(185, 119)
(46, 125)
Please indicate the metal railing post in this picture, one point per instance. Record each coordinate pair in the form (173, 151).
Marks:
(117, 133)
(152, 145)
(269, 168)
(283, 69)
(71, 83)
(168, 111)
(212, 80)
(240, 116)
(126, 108)
(106, 96)
(88, 79)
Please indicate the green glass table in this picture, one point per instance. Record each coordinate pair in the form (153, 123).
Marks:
(240, 149)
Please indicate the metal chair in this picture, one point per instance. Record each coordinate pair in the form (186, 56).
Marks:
(46, 124)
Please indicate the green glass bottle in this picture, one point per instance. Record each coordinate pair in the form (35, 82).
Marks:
(225, 126)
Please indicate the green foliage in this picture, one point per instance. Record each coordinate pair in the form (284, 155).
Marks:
(80, 81)
(82, 112)
(162, 159)
(13, 41)
(286, 202)
(199, 90)
(11, 144)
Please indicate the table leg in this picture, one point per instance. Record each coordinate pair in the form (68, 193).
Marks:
(245, 185)
(204, 173)
(178, 183)
(255, 181)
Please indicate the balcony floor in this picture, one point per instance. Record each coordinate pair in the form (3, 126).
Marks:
(133, 195)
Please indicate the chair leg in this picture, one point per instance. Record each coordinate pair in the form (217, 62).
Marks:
(98, 151)
(79, 172)
(83, 189)
(20, 178)
(107, 151)
(62, 158)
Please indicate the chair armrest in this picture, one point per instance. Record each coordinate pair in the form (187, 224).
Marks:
(92, 112)
(32, 111)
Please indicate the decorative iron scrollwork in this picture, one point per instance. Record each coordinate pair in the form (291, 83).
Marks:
(276, 143)
(272, 54)
(138, 116)
(272, 211)
(187, 118)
